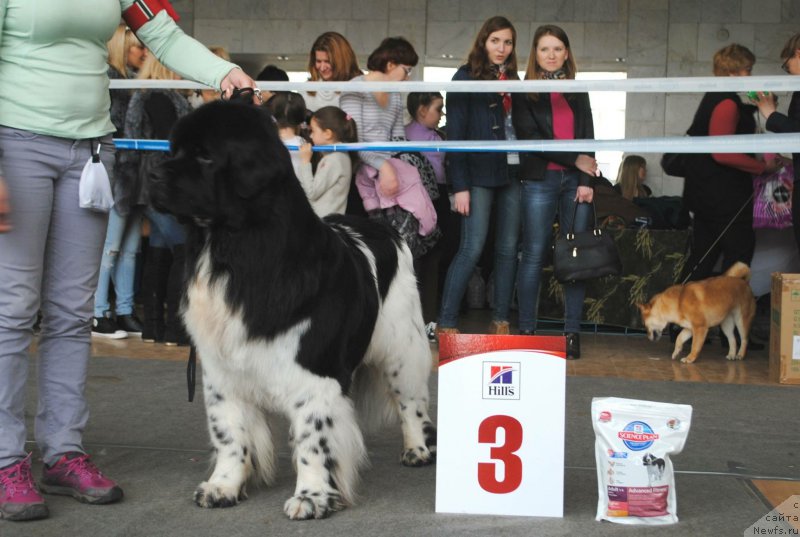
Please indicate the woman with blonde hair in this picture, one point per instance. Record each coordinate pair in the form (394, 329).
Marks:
(151, 115)
(630, 178)
(331, 59)
(125, 51)
(118, 264)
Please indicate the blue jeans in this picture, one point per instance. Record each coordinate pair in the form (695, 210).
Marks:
(541, 201)
(165, 231)
(118, 265)
(474, 229)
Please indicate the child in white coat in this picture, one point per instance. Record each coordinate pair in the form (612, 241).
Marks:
(328, 183)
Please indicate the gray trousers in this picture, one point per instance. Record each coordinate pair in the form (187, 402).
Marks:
(49, 261)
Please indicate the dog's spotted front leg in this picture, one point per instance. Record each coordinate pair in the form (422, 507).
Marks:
(228, 422)
(328, 451)
(419, 432)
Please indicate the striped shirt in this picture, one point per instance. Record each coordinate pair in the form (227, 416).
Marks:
(375, 123)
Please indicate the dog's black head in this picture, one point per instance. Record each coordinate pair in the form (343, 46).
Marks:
(227, 168)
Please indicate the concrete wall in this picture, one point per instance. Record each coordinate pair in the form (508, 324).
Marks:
(646, 38)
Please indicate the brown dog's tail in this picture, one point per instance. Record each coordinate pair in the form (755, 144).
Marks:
(738, 270)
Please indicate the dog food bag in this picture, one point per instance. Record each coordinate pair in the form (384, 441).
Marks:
(633, 443)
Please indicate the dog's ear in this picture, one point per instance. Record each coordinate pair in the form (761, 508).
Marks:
(259, 172)
(259, 160)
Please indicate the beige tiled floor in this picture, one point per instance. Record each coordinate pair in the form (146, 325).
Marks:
(603, 355)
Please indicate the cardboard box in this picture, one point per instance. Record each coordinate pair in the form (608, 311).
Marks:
(784, 340)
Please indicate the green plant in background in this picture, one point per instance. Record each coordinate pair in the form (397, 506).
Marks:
(644, 243)
(638, 291)
(678, 262)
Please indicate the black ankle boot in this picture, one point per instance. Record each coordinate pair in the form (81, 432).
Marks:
(573, 345)
(174, 331)
(154, 290)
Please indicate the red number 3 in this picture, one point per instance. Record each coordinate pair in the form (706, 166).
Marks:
(512, 465)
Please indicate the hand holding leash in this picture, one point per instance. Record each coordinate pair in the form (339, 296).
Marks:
(238, 79)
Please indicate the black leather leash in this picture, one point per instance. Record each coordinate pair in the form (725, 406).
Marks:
(694, 268)
(191, 372)
(245, 95)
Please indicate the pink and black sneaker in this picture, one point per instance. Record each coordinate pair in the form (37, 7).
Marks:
(19, 499)
(75, 475)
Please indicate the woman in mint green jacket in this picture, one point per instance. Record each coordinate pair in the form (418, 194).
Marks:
(54, 111)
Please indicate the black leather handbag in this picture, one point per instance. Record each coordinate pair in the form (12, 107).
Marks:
(586, 254)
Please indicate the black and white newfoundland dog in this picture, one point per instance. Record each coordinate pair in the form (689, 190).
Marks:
(290, 313)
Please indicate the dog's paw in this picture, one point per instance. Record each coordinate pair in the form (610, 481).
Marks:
(211, 496)
(736, 357)
(312, 505)
(731, 356)
(688, 360)
(418, 456)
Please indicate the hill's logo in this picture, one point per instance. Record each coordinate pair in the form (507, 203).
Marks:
(501, 380)
(637, 435)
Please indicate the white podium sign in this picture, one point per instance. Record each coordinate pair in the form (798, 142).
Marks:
(501, 425)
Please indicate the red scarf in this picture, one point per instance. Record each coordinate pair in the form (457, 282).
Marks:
(501, 75)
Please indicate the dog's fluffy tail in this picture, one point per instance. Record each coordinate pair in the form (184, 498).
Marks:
(738, 270)
(373, 400)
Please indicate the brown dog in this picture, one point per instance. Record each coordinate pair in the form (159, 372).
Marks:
(724, 300)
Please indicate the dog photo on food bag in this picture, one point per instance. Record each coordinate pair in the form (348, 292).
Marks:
(290, 314)
(655, 468)
(725, 301)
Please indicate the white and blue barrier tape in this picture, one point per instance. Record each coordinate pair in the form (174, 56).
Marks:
(741, 143)
(694, 84)
(773, 143)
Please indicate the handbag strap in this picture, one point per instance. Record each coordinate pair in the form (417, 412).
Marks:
(571, 232)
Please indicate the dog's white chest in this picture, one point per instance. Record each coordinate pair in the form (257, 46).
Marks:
(208, 317)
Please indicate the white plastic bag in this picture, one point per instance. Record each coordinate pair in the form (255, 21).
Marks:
(94, 189)
(633, 443)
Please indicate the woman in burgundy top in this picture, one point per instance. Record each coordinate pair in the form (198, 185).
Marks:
(552, 181)
(719, 186)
